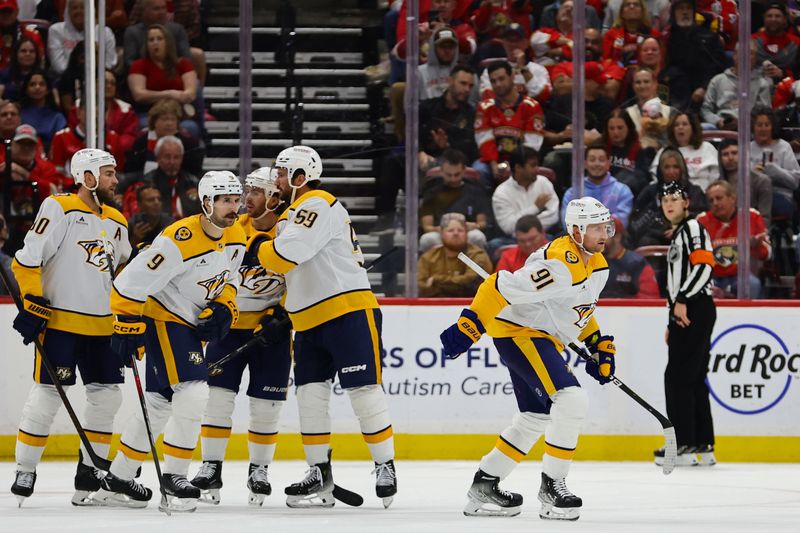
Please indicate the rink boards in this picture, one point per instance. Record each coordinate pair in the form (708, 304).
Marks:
(453, 409)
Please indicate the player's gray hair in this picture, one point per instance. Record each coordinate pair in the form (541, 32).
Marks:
(167, 139)
(447, 218)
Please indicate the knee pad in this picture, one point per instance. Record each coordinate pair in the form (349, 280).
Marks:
(313, 402)
(368, 401)
(40, 409)
(102, 401)
(219, 407)
(189, 400)
(530, 423)
(264, 415)
(570, 403)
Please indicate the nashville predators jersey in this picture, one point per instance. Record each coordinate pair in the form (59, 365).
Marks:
(259, 288)
(64, 259)
(554, 295)
(180, 273)
(317, 249)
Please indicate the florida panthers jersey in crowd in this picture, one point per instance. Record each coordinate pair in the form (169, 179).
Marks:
(499, 131)
(180, 273)
(259, 288)
(317, 249)
(554, 295)
(64, 260)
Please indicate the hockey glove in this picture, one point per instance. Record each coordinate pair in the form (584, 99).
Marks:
(601, 367)
(128, 337)
(215, 322)
(255, 242)
(33, 317)
(275, 328)
(459, 337)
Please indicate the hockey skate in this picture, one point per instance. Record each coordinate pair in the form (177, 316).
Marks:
(87, 482)
(258, 484)
(486, 498)
(23, 486)
(686, 456)
(315, 490)
(116, 492)
(558, 503)
(385, 482)
(705, 455)
(209, 481)
(181, 496)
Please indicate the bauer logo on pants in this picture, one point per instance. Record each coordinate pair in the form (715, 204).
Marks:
(751, 369)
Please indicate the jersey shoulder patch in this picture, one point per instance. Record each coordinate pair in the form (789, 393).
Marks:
(565, 251)
(190, 239)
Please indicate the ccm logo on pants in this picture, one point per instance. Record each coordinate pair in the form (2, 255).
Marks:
(356, 368)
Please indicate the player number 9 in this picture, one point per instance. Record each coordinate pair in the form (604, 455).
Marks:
(155, 262)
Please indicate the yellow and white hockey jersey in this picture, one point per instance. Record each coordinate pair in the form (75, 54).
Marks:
(259, 288)
(317, 249)
(180, 273)
(554, 295)
(64, 260)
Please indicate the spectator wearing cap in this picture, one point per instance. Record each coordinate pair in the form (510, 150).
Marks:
(549, 14)
(777, 46)
(63, 36)
(151, 219)
(648, 112)
(11, 31)
(631, 27)
(435, 14)
(439, 271)
(529, 237)
(688, 74)
(531, 78)
(721, 102)
(434, 75)
(71, 139)
(27, 166)
(629, 274)
(39, 107)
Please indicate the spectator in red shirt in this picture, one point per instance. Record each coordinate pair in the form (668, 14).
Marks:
(530, 237)
(721, 222)
(492, 17)
(162, 74)
(451, 13)
(26, 165)
(11, 31)
(631, 28)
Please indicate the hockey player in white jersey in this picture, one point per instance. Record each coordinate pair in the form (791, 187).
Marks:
(531, 314)
(63, 277)
(268, 363)
(179, 292)
(337, 323)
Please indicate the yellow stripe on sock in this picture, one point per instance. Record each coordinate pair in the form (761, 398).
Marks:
(315, 438)
(131, 453)
(32, 440)
(528, 349)
(509, 450)
(262, 438)
(558, 452)
(215, 432)
(379, 436)
(100, 437)
(177, 451)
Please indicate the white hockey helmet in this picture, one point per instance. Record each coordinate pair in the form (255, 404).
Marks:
(217, 183)
(302, 158)
(90, 160)
(584, 211)
(264, 178)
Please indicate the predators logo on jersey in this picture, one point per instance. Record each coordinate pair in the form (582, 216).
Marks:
(96, 253)
(584, 314)
(259, 281)
(215, 284)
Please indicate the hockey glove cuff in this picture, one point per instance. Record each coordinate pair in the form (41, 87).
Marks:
(33, 317)
(459, 337)
(214, 322)
(275, 328)
(128, 337)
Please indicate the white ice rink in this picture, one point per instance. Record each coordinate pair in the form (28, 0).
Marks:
(618, 498)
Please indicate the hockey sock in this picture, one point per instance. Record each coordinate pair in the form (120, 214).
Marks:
(34, 427)
(183, 427)
(514, 443)
(369, 405)
(561, 436)
(263, 434)
(217, 423)
(134, 445)
(313, 401)
(102, 404)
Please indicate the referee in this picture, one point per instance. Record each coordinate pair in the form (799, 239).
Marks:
(691, 319)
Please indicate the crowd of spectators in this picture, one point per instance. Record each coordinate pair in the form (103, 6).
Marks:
(661, 104)
(154, 111)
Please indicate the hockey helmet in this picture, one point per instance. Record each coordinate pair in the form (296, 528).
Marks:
(264, 178)
(585, 211)
(300, 158)
(90, 160)
(217, 183)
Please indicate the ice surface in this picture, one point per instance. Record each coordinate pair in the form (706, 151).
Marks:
(618, 498)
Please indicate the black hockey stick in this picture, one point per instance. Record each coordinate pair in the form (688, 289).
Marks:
(140, 393)
(100, 463)
(671, 443)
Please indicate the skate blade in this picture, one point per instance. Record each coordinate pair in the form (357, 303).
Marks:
(548, 512)
(210, 496)
(387, 501)
(171, 504)
(85, 498)
(478, 508)
(20, 500)
(256, 500)
(113, 499)
(322, 500)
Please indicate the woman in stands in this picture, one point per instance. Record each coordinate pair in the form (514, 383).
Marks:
(160, 74)
(39, 108)
(24, 58)
(630, 162)
(621, 42)
(702, 160)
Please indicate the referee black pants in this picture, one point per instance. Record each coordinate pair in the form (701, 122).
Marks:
(688, 405)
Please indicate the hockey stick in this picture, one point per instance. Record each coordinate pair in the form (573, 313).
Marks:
(140, 393)
(99, 462)
(671, 443)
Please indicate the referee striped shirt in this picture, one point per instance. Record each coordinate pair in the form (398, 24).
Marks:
(690, 262)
